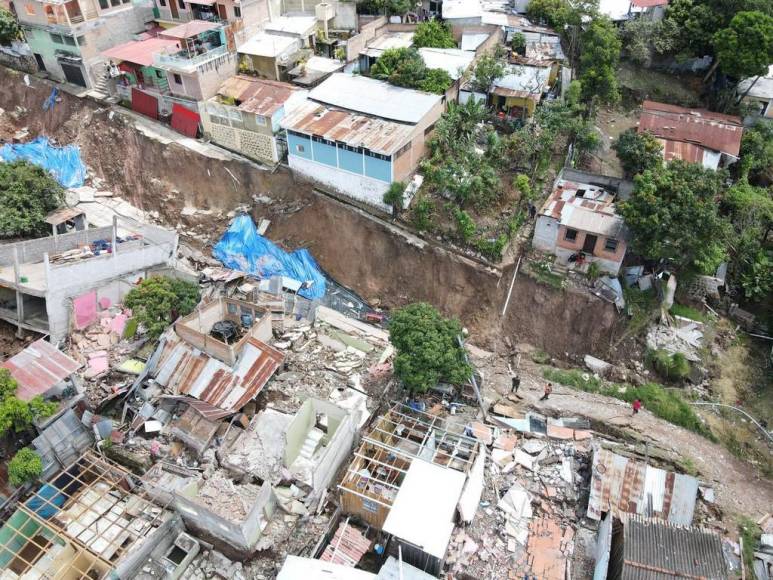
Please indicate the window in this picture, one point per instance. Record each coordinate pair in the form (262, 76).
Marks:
(57, 38)
(579, 193)
(69, 40)
(181, 4)
(342, 145)
(403, 150)
(81, 40)
(429, 129)
(300, 148)
(103, 4)
(323, 141)
(235, 115)
(237, 12)
(160, 74)
(570, 235)
(29, 9)
(610, 245)
(177, 78)
(260, 120)
(162, 2)
(377, 155)
(115, 2)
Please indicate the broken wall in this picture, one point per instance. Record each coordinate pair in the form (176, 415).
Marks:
(161, 539)
(234, 539)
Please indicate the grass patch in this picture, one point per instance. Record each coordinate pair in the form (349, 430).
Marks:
(688, 466)
(672, 367)
(661, 402)
(543, 273)
(689, 312)
(750, 532)
(540, 357)
(641, 306)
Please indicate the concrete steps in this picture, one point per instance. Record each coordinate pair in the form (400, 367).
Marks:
(311, 443)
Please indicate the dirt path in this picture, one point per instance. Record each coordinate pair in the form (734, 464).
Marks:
(739, 487)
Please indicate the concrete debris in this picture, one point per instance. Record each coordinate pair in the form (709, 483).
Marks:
(685, 337)
(533, 446)
(597, 366)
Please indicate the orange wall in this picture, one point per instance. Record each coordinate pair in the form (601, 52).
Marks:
(598, 251)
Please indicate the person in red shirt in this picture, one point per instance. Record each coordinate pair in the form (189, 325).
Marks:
(636, 406)
(548, 390)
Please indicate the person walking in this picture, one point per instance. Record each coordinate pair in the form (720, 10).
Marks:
(548, 390)
(636, 406)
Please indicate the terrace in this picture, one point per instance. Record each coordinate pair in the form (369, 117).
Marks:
(200, 42)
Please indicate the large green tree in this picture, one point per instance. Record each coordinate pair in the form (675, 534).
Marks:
(757, 151)
(15, 414)
(25, 466)
(554, 13)
(404, 67)
(745, 48)
(487, 70)
(673, 216)
(638, 151)
(157, 301)
(9, 27)
(599, 57)
(27, 194)
(427, 348)
(434, 34)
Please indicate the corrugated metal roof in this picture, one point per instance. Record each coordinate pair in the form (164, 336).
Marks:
(369, 96)
(140, 51)
(186, 370)
(259, 96)
(61, 215)
(656, 550)
(592, 210)
(355, 130)
(452, 60)
(190, 29)
(386, 41)
(39, 368)
(697, 126)
(648, 3)
(624, 485)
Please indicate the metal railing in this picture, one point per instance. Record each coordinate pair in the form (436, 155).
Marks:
(181, 59)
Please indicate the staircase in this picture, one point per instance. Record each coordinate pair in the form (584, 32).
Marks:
(312, 442)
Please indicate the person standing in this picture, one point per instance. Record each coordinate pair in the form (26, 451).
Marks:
(548, 390)
(636, 406)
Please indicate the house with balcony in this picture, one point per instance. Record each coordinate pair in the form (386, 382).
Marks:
(245, 116)
(246, 17)
(202, 60)
(131, 66)
(579, 224)
(68, 37)
(357, 135)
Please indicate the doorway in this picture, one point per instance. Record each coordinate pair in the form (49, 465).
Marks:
(173, 8)
(73, 74)
(39, 60)
(222, 12)
(589, 244)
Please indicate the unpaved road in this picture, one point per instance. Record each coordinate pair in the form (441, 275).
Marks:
(740, 488)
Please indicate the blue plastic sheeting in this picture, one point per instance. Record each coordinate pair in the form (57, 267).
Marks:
(46, 502)
(243, 248)
(64, 163)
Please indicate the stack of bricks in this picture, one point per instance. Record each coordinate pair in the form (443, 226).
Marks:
(549, 548)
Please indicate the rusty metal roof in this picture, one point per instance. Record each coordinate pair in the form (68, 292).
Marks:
(258, 96)
(697, 126)
(656, 550)
(355, 130)
(623, 485)
(585, 207)
(61, 215)
(38, 368)
(185, 370)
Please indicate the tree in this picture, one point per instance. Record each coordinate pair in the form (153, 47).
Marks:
(554, 13)
(673, 216)
(27, 194)
(488, 69)
(18, 415)
(395, 196)
(518, 43)
(599, 57)
(745, 48)
(757, 149)
(9, 27)
(436, 80)
(638, 152)
(25, 466)
(156, 302)
(434, 34)
(427, 348)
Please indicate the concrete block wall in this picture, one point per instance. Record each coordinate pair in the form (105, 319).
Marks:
(32, 251)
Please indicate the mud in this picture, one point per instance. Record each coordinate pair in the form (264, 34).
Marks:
(381, 262)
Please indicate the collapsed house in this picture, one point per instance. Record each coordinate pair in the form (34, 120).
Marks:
(392, 482)
(89, 521)
(49, 284)
(621, 485)
(637, 547)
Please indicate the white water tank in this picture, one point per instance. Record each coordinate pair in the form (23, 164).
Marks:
(324, 11)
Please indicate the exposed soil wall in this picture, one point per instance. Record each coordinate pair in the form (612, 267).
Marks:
(371, 256)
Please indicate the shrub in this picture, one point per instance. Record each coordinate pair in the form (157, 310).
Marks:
(464, 224)
(669, 366)
(395, 196)
(157, 302)
(594, 271)
(423, 208)
(27, 194)
(688, 312)
(25, 466)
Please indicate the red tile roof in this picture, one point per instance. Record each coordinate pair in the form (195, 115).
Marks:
(648, 3)
(190, 29)
(140, 51)
(39, 368)
(697, 126)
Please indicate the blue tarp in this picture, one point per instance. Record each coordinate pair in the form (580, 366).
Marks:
(64, 163)
(243, 248)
